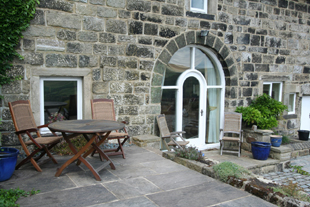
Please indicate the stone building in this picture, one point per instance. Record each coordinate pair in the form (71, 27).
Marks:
(189, 59)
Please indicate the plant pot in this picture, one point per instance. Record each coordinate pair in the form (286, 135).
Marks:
(275, 140)
(260, 150)
(303, 135)
(8, 159)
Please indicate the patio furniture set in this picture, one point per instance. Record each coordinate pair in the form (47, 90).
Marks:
(95, 131)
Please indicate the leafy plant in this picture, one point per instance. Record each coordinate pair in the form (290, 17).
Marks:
(263, 112)
(15, 16)
(292, 190)
(63, 148)
(227, 169)
(285, 140)
(299, 169)
(190, 153)
(9, 197)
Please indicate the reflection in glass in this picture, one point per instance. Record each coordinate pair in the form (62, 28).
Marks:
(206, 67)
(179, 63)
(198, 4)
(168, 108)
(190, 107)
(60, 100)
(275, 94)
(213, 115)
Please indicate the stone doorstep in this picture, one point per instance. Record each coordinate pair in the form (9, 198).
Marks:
(146, 140)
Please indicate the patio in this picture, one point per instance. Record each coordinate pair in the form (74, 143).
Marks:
(144, 178)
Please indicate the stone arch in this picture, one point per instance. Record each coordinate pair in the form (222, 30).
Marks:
(193, 37)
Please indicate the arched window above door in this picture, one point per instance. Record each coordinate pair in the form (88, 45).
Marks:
(181, 61)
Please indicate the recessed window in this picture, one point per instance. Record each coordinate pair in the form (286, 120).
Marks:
(60, 99)
(199, 6)
(291, 103)
(273, 89)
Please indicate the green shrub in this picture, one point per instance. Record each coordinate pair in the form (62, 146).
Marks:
(15, 16)
(226, 169)
(190, 153)
(263, 112)
(9, 197)
(292, 190)
(285, 140)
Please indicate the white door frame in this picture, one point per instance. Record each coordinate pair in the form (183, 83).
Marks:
(305, 113)
(202, 105)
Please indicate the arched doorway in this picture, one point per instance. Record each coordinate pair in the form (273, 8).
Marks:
(193, 95)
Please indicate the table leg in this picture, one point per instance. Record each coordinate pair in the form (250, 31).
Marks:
(98, 144)
(101, 153)
(78, 156)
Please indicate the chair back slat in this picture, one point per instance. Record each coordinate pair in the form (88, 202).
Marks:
(162, 125)
(232, 122)
(22, 115)
(103, 109)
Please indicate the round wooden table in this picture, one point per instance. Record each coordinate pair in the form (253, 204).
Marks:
(73, 128)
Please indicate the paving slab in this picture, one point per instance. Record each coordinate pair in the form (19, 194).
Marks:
(249, 201)
(204, 194)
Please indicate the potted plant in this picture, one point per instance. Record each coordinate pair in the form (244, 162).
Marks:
(8, 159)
(263, 112)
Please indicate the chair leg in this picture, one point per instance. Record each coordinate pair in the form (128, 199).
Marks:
(239, 152)
(221, 147)
(29, 158)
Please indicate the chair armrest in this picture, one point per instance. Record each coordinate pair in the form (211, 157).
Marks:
(26, 130)
(178, 132)
(41, 126)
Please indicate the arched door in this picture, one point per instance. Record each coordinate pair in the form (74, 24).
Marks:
(193, 95)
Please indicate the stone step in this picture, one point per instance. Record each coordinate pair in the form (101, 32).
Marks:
(146, 140)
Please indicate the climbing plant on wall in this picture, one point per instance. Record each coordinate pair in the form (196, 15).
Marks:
(15, 16)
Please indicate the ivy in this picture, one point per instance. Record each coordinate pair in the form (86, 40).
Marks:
(15, 16)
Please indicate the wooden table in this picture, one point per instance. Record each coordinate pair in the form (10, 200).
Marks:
(73, 128)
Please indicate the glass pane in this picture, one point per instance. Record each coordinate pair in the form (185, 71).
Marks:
(266, 89)
(206, 67)
(275, 94)
(198, 4)
(60, 100)
(179, 63)
(190, 107)
(291, 101)
(168, 108)
(213, 115)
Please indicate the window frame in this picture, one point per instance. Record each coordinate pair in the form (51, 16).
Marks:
(270, 89)
(204, 10)
(79, 97)
(294, 103)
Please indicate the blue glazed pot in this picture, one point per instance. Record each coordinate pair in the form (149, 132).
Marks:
(8, 159)
(275, 140)
(260, 150)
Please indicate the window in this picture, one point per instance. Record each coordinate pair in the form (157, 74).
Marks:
(199, 6)
(273, 89)
(60, 98)
(291, 103)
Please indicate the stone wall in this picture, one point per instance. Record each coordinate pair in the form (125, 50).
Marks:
(121, 47)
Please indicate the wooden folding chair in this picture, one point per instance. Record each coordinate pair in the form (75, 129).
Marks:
(232, 125)
(24, 124)
(166, 134)
(103, 109)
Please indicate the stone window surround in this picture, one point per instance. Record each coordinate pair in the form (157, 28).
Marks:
(37, 73)
(211, 8)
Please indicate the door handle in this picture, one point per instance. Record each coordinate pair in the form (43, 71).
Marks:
(201, 112)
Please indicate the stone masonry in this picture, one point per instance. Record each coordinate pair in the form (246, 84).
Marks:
(120, 49)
